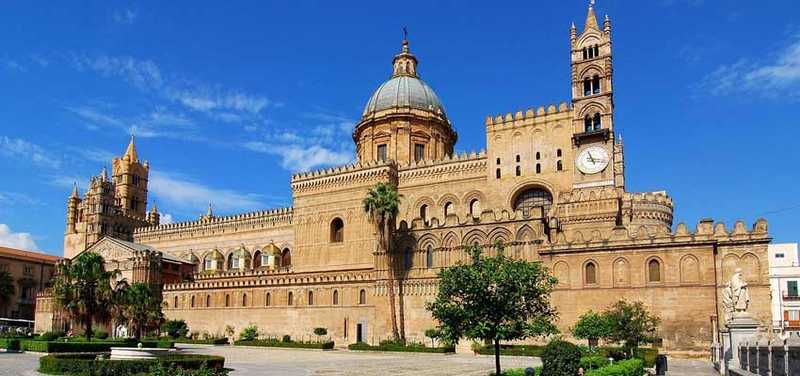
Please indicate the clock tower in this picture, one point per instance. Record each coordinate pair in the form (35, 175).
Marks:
(593, 104)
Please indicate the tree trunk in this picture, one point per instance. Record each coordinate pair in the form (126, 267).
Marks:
(497, 357)
(390, 261)
(401, 306)
(88, 328)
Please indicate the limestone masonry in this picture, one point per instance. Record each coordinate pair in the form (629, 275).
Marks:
(550, 186)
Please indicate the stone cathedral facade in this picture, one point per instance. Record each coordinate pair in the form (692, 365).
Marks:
(550, 186)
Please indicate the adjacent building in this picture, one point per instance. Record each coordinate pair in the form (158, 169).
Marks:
(30, 273)
(784, 280)
(550, 187)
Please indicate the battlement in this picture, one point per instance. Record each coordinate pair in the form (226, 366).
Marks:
(254, 278)
(271, 218)
(358, 172)
(520, 118)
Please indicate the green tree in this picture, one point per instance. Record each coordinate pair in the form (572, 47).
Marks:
(6, 287)
(382, 205)
(433, 334)
(631, 324)
(83, 287)
(143, 308)
(249, 333)
(494, 299)
(592, 326)
(175, 328)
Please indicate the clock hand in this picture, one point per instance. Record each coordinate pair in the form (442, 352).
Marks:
(590, 156)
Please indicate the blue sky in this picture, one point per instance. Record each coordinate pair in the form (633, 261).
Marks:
(228, 99)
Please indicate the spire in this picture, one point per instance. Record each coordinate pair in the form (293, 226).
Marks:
(104, 175)
(209, 213)
(591, 19)
(607, 25)
(130, 153)
(404, 63)
(74, 193)
(154, 208)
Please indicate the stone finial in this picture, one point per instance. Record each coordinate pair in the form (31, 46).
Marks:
(591, 18)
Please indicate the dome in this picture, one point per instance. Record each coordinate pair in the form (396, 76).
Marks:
(404, 91)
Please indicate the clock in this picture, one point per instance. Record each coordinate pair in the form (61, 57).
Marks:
(592, 160)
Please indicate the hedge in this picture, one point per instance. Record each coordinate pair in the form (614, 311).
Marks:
(400, 348)
(209, 341)
(519, 372)
(95, 346)
(593, 362)
(10, 344)
(292, 344)
(86, 364)
(646, 354)
(513, 350)
(630, 367)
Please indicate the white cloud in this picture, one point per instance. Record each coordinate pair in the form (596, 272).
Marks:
(125, 16)
(166, 219)
(18, 240)
(143, 74)
(770, 78)
(16, 198)
(97, 155)
(301, 158)
(66, 181)
(179, 191)
(19, 148)
(96, 118)
(207, 100)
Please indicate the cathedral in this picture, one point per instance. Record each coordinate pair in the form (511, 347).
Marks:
(550, 187)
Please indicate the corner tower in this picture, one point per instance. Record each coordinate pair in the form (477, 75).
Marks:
(130, 181)
(404, 119)
(593, 105)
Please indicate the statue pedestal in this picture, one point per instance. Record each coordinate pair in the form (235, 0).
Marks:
(739, 329)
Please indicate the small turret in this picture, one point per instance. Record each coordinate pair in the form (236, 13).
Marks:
(607, 25)
(153, 216)
(72, 209)
(209, 214)
(405, 63)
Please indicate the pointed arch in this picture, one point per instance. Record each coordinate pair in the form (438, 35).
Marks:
(622, 272)
(500, 234)
(591, 272)
(690, 269)
(474, 237)
(654, 268)
(751, 268)
(561, 272)
(450, 240)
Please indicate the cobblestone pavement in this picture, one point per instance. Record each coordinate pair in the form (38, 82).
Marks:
(293, 362)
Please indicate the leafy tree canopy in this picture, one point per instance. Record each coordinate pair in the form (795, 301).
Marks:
(631, 324)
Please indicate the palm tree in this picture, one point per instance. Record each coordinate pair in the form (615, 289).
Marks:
(6, 287)
(83, 287)
(382, 206)
(142, 308)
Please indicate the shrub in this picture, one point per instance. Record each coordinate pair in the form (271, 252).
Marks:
(175, 328)
(631, 367)
(320, 332)
(287, 338)
(205, 341)
(399, 347)
(10, 344)
(561, 358)
(99, 334)
(249, 333)
(49, 336)
(81, 346)
(593, 362)
(87, 364)
(520, 372)
(291, 344)
(162, 370)
(512, 350)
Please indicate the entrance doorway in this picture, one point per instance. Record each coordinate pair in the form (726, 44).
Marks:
(361, 332)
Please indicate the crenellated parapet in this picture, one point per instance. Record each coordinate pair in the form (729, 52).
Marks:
(366, 172)
(529, 117)
(462, 165)
(268, 278)
(231, 223)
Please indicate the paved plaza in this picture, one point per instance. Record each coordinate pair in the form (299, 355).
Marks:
(293, 362)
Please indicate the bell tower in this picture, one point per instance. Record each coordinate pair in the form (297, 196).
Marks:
(130, 179)
(593, 103)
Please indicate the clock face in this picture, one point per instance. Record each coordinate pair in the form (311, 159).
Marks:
(592, 160)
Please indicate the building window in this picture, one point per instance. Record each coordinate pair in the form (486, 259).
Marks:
(587, 87)
(244, 300)
(227, 300)
(175, 302)
(423, 213)
(267, 299)
(448, 209)
(590, 273)
(419, 152)
(429, 256)
(290, 300)
(596, 121)
(192, 302)
(362, 297)
(3, 267)
(408, 258)
(475, 208)
(791, 288)
(653, 271)
(517, 157)
(208, 265)
(538, 155)
(335, 297)
(559, 166)
(310, 298)
(519, 171)
(596, 50)
(558, 153)
(595, 85)
(337, 230)
(538, 168)
(532, 198)
(382, 152)
(208, 300)
(777, 255)
(286, 258)
(498, 160)
(28, 270)
(497, 173)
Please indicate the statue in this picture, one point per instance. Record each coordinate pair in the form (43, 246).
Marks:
(736, 296)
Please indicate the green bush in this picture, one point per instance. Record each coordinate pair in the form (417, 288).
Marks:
(275, 343)
(399, 347)
(593, 362)
(81, 346)
(631, 367)
(249, 333)
(100, 334)
(162, 370)
(320, 331)
(49, 336)
(560, 358)
(86, 364)
(207, 341)
(647, 355)
(10, 344)
(287, 338)
(519, 372)
(175, 328)
(513, 350)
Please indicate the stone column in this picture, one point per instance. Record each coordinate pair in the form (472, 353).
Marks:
(739, 329)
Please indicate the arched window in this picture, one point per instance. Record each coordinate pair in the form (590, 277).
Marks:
(596, 122)
(207, 265)
(337, 230)
(268, 299)
(538, 168)
(558, 153)
(227, 300)
(585, 54)
(192, 301)
(335, 297)
(587, 87)
(595, 85)
(286, 257)
(538, 155)
(244, 300)
(559, 166)
(596, 50)
(256, 259)
(497, 173)
(175, 302)
(429, 256)
(310, 298)
(448, 209)
(408, 258)
(653, 271)
(517, 157)
(362, 297)
(208, 300)
(475, 208)
(290, 300)
(587, 124)
(498, 160)
(519, 171)
(590, 273)
(533, 198)
(423, 213)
